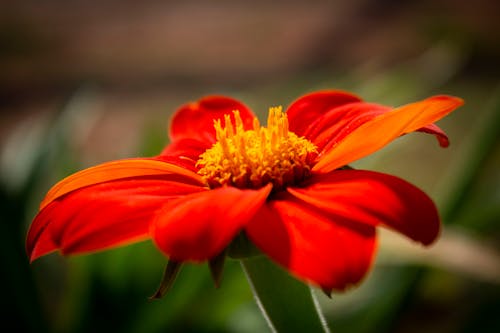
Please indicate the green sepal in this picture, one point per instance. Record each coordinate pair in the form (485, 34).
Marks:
(216, 266)
(241, 247)
(169, 275)
(327, 292)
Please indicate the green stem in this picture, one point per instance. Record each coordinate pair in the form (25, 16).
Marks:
(287, 304)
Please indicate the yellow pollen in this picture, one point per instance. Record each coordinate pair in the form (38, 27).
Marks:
(253, 158)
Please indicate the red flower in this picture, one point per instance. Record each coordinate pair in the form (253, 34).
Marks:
(284, 185)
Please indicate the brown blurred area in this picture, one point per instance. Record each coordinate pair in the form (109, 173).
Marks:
(149, 55)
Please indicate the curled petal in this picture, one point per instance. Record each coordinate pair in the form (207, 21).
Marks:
(102, 215)
(333, 254)
(374, 199)
(438, 133)
(120, 169)
(337, 123)
(327, 117)
(198, 227)
(328, 130)
(375, 134)
(303, 112)
(196, 120)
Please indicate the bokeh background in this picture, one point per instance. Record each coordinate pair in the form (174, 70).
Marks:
(83, 82)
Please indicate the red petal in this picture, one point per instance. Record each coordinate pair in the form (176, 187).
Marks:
(375, 134)
(188, 148)
(101, 216)
(333, 254)
(307, 109)
(199, 226)
(39, 241)
(196, 120)
(121, 169)
(374, 199)
(185, 152)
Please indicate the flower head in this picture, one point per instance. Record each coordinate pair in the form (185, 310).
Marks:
(253, 158)
(283, 185)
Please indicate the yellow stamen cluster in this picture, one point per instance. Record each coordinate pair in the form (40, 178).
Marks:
(256, 157)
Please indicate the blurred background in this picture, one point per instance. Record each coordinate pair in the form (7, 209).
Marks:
(85, 82)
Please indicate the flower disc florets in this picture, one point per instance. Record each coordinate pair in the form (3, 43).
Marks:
(253, 158)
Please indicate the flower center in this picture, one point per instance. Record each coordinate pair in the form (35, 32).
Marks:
(256, 157)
